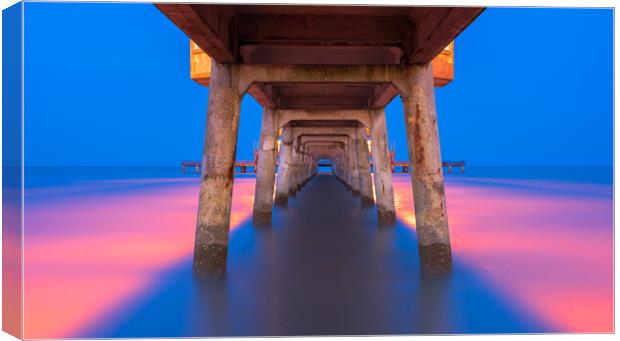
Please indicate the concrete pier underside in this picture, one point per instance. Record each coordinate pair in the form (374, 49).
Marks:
(323, 81)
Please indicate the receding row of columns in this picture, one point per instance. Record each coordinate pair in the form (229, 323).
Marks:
(298, 158)
(295, 168)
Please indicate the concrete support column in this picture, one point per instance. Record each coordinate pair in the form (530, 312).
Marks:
(304, 168)
(427, 175)
(216, 184)
(294, 182)
(337, 169)
(283, 176)
(346, 160)
(335, 165)
(353, 157)
(384, 192)
(300, 168)
(341, 167)
(365, 180)
(266, 168)
(307, 167)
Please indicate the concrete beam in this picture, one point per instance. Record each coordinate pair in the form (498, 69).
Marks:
(436, 27)
(350, 132)
(206, 25)
(266, 29)
(320, 34)
(285, 117)
(386, 74)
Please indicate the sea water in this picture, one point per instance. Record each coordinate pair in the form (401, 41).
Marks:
(108, 252)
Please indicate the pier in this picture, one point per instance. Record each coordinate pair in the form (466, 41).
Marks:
(242, 166)
(323, 75)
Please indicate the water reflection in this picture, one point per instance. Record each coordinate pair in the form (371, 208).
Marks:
(122, 266)
(324, 268)
(92, 246)
(543, 244)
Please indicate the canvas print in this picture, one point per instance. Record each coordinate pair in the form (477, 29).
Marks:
(231, 169)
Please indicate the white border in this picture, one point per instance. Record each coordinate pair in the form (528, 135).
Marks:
(486, 3)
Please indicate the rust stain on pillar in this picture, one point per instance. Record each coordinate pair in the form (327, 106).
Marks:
(214, 204)
(382, 166)
(266, 169)
(427, 175)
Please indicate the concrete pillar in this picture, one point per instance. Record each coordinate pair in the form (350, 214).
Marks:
(303, 167)
(284, 168)
(307, 165)
(266, 168)
(340, 170)
(306, 168)
(336, 165)
(353, 161)
(346, 161)
(384, 192)
(311, 166)
(342, 165)
(427, 175)
(216, 185)
(300, 168)
(294, 181)
(365, 180)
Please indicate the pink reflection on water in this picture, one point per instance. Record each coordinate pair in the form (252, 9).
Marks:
(546, 245)
(11, 261)
(86, 253)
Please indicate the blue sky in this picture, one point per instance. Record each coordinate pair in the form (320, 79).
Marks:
(108, 85)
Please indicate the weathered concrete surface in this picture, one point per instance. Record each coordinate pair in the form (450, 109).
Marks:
(287, 116)
(427, 175)
(354, 165)
(365, 179)
(294, 177)
(318, 34)
(384, 192)
(266, 169)
(211, 245)
(284, 167)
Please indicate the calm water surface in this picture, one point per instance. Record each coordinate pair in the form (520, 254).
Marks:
(108, 254)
